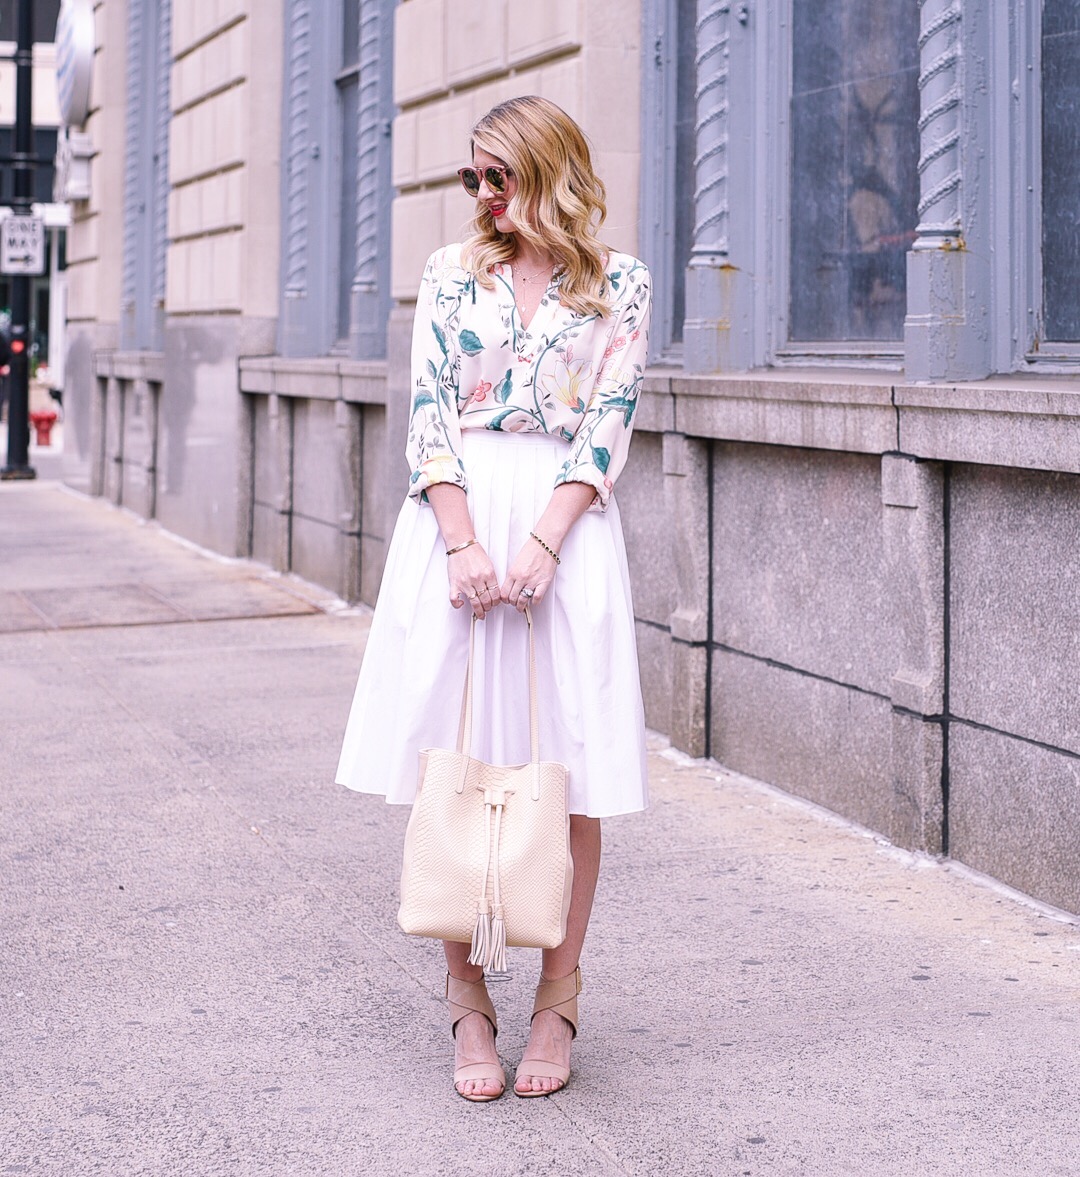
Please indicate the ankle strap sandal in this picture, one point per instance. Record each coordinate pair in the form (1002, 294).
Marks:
(561, 996)
(464, 998)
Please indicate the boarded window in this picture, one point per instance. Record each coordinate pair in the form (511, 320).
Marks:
(1061, 169)
(854, 159)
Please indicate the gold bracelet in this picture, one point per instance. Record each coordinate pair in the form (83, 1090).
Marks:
(553, 555)
(461, 547)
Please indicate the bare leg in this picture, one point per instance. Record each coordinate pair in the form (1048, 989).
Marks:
(474, 1041)
(551, 1035)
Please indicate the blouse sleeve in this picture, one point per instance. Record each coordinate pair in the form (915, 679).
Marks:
(602, 441)
(434, 444)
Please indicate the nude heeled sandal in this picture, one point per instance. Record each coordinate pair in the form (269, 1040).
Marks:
(560, 995)
(466, 997)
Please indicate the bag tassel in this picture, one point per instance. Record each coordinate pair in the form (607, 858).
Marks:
(497, 962)
(481, 938)
(497, 955)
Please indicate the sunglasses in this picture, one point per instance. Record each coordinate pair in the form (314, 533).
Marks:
(494, 176)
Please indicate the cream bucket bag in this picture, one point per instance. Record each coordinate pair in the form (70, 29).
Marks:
(487, 849)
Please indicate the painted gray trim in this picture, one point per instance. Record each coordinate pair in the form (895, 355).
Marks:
(953, 309)
(146, 174)
(132, 159)
(294, 329)
(307, 323)
(371, 281)
(162, 119)
(658, 112)
(769, 157)
(941, 121)
(707, 331)
(711, 211)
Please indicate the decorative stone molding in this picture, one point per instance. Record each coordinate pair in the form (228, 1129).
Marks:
(369, 131)
(298, 81)
(941, 118)
(712, 64)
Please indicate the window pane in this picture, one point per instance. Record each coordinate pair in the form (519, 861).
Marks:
(350, 113)
(44, 22)
(350, 32)
(854, 182)
(1061, 169)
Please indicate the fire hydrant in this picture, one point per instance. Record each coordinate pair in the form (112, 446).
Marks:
(43, 420)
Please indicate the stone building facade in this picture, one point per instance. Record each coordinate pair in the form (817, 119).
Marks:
(853, 503)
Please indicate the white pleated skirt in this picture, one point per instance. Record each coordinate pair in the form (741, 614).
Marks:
(408, 696)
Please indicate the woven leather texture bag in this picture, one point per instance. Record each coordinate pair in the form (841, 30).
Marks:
(487, 849)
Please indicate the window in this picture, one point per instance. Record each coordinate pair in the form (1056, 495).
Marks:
(337, 194)
(1061, 170)
(44, 20)
(668, 148)
(854, 168)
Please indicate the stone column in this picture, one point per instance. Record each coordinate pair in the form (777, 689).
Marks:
(349, 448)
(140, 447)
(946, 334)
(715, 303)
(686, 498)
(912, 494)
(113, 487)
(280, 417)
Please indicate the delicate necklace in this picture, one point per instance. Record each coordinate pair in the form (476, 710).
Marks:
(527, 278)
(532, 277)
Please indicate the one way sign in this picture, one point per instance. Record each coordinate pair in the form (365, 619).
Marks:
(22, 245)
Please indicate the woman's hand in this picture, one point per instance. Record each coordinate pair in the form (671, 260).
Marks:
(470, 571)
(473, 580)
(532, 569)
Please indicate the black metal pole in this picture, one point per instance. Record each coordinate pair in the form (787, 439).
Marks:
(18, 463)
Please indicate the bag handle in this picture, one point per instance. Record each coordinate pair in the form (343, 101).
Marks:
(464, 740)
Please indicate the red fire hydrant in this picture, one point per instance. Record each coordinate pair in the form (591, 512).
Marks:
(43, 420)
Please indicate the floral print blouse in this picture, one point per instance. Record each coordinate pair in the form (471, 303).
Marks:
(476, 367)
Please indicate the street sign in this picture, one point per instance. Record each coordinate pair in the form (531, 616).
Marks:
(22, 245)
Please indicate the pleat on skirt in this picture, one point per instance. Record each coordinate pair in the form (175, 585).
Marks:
(408, 696)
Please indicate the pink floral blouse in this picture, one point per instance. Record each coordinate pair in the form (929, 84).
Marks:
(476, 367)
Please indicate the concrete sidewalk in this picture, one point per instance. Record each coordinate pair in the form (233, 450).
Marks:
(200, 972)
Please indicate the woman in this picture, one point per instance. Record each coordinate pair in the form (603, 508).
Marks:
(529, 345)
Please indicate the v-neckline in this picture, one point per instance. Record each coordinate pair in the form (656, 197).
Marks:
(528, 331)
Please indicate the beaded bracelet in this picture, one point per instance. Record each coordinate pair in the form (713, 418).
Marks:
(461, 547)
(553, 555)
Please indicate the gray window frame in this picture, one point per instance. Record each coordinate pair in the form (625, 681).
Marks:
(1036, 353)
(659, 65)
(312, 131)
(994, 226)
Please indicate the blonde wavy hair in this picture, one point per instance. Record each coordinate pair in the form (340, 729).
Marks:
(559, 204)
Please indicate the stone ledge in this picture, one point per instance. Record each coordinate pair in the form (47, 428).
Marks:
(325, 378)
(1026, 421)
(130, 365)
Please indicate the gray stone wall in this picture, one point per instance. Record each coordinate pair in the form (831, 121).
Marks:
(890, 634)
(315, 464)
